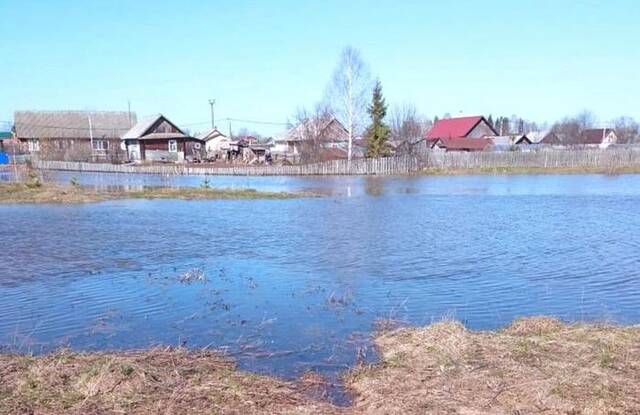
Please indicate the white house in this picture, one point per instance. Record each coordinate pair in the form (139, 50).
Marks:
(216, 143)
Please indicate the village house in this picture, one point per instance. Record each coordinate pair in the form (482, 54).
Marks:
(155, 138)
(216, 144)
(509, 142)
(309, 136)
(460, 144)
(598, 137)
(461, 127)
(73, 135)
(547, 137)
(460, 134)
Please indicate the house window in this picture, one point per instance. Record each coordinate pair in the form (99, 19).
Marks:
(173, 146)
(100, 145)
(34, 145)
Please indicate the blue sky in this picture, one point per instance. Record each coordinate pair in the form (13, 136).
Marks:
(261, 60)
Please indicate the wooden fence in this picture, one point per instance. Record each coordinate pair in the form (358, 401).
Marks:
(379, 166)
(592, 158)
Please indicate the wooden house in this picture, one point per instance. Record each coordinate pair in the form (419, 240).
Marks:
(461, 144)
(73, 135)
(309, 136)
(476, 127)
(156, 138)
(598, 137)
(547, 137)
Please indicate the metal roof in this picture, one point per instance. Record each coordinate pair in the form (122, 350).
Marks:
(142, 129)
(72, 124)
(454, 127)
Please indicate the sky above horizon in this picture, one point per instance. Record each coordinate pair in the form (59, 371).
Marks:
(542, 60)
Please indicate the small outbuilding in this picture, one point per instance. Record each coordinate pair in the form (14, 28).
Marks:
(216, 143)
(156, 138)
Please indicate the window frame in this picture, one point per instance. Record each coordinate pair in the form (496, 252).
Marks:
(100, 145)
(173, 146)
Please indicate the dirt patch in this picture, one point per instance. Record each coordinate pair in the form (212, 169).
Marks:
(536, 365)
(52, 193)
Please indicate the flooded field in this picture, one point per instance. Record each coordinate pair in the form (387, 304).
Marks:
(287, 286)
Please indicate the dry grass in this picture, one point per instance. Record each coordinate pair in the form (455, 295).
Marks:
(530, 170)
(536, 365)
(167, 381)
(53, 193)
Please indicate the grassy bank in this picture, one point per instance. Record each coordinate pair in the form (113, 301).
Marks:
(159, 381)
(529, 170)
(535, 365)
(53, 193)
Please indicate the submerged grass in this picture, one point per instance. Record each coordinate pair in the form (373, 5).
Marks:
(535, 365)
(54, 193)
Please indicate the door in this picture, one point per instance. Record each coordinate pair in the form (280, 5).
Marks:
(134, 151)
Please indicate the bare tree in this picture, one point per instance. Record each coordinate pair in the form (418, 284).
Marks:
(311, 131)
(407, 127)
(570, 128)
(626, 128)
(349, 92)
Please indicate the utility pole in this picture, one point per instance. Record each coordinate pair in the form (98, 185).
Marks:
(213, 119)
(91, 136)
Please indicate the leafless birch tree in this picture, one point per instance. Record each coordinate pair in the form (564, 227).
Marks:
(349, 93)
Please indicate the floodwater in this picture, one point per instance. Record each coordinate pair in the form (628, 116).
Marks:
(287, 286)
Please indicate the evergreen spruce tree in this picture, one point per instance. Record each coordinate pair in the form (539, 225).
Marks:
(378, 132)
(490, 121)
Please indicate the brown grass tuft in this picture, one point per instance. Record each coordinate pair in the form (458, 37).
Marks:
(536, 365)
(161, 381)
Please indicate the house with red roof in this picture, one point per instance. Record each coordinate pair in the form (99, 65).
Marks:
(461, 144)
(598, 137)
(461, 127)
(461, 134)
